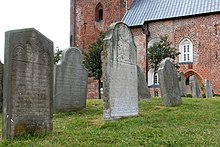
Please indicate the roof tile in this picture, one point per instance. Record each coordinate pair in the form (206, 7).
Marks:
(148, 10)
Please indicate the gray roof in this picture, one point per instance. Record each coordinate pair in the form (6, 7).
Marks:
(149, 10)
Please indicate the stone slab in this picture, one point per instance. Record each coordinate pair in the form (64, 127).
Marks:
(182, 84)
(28, 83)
(120, 83)
(169, 84)
(70, 82)
(1, 86)
(196, 89)
(143, 90)
(208, 89)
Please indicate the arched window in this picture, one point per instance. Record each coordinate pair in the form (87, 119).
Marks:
(156, 78)
(152, 78)
(186, 50)
(99, 12)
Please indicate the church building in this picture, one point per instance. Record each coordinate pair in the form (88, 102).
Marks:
(193, 27)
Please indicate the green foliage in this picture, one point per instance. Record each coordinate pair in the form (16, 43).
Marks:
(93, 58)
(195, 123)
(189, 95)
(216, 95)
(57, 55)
(161, 50)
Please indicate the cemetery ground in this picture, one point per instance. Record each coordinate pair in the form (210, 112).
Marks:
(195, 123)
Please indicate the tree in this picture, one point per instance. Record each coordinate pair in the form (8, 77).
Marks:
(159, 51)
(93, 60)
(57, 55)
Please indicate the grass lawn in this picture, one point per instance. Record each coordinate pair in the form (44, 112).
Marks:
(195, 123)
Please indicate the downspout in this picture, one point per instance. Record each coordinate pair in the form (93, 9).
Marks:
(72, 23)
(126, 6)
(145, 29)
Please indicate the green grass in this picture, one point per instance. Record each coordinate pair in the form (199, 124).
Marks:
(195, 123)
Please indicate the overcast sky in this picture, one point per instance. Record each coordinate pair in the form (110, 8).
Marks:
(50, 17)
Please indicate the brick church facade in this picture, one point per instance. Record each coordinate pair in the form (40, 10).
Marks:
(192, 26)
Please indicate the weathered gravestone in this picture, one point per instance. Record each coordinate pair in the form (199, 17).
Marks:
(120, 73)
(70, 82)
(169, 84)
(182, 84)
(1, 86)
(28, 83)
(196, 89)
(143, 90)
(208, 89)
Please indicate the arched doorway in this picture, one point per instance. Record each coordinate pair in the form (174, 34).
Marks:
(187, 75)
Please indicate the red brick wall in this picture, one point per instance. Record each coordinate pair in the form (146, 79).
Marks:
(140, 41)
(204, 33)
(83, 26)
(92, 88)
(84, 29)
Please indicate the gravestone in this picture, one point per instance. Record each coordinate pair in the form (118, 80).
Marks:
(196, 89)
(28, 83)
(1, 86)
(182, 84)
(119, 73)
(70, 82)
(143, 90)
(208, 89)
(169, 84)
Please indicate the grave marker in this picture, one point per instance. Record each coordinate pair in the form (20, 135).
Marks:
(196, 89)
(208, 89)
(120, 73)
(70, 82)
(143, 90)
(28, 83)
(169, 84)
(182, 84)
(1, 86)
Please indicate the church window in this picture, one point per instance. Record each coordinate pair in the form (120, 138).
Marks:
(186, 50)
(99, 12)
(156, 79)
(153, 78)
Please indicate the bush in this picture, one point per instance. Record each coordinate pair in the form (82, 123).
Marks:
(216, 95)
(189, 95)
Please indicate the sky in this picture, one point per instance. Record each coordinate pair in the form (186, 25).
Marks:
(50, 17)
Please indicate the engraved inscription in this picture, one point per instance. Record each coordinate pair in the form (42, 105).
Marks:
(28, 83)
(120, 73)
(31, 84)
(123, 45)
(71, 82)
(123, 91)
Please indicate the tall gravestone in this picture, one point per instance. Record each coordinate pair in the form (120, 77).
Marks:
(1, 86)
(196, 89)
(182, 84)
(119, 73)
(70, 82)
(208, 89)
(28, 83)
(169, 84)
(143, 90)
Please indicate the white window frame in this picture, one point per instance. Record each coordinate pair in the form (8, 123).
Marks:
(151, 77)
(157, 78)
(186, 51)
